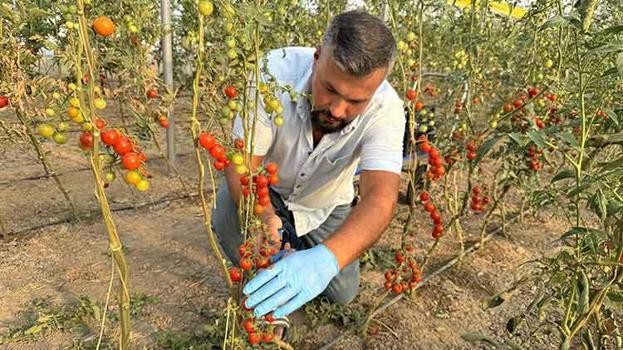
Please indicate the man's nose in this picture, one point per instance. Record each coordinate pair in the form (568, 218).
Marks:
(338, 108)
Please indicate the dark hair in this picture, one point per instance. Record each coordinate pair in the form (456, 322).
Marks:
(359, 43)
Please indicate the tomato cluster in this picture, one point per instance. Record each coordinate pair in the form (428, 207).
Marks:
(209, 142)
(250, 258)
(533, 158)
(430, 208)
(405, 276)
(257, 333)
(471, 149)
(411, 94)
(437, 170)
(272, 105)
(479, 201)
(232, 106)
(132, 158)
(267, 176)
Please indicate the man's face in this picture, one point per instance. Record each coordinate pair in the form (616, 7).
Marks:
(338, 97)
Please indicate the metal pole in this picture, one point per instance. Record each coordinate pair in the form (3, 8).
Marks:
(167, 61)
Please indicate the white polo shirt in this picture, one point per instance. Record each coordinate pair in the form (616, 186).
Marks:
(313, 182)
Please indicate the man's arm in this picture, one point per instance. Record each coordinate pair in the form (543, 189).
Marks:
(369, 219)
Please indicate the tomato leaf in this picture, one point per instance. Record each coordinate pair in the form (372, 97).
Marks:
(568, 138)
(615, 164)
(607, 48)
(513, 323)
(615, 297)
(517, 138)
(556, 21)
(579, 231)
(619, 64)
(537, 138)
(612, 30)
(609, 71)
(565, 174)
(558, 278)
(477, 337)
(577, 190)
(486, 147)
(612, 115)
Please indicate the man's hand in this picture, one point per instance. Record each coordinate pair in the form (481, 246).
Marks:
(291, 282)
(273, 224)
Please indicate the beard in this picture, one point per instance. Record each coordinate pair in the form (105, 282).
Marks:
(324, 121)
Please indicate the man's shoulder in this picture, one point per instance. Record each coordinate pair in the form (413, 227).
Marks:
(289, 63)
(386, 98)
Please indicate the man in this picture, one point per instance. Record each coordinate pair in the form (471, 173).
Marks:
(354, 117)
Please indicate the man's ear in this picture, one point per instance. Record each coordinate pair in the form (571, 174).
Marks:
(317, 53)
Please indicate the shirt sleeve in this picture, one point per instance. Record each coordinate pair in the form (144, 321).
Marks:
(264, 128)
(382, 142)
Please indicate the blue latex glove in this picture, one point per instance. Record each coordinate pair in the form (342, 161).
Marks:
(291, 282)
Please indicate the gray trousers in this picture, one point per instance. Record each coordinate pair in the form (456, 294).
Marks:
(342, 289)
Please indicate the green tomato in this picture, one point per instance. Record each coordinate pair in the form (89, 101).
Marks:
(109, 177)
(205, 7)
(99, 103)
(230, 42)
(423, 128)
(225, 111)
(237, 159)
(60, 138)
(62, 126)
(278, 120)
(45, 130)
(233, 105)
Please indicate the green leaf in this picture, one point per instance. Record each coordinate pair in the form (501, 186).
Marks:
(486, 147)
(612, 115)
(565, 174)
(613, 165)
(476, 337)
(577, 190)
(538, 138)
(568, 138)
(612, 30)
(615, 297)
(579, 231)
(558, 278)
(556, 21)
(619, 64)
(609, 71)
(494, 302)
(517, 138)
(607, 48)
(583, 292)
(513, 323)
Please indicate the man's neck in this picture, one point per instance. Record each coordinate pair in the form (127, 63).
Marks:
(317, 135)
